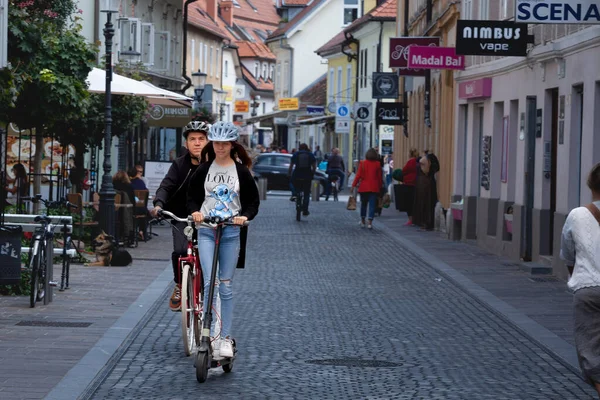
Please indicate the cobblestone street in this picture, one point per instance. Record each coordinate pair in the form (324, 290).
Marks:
(325, 309)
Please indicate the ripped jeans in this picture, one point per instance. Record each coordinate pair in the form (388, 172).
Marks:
(228, 257)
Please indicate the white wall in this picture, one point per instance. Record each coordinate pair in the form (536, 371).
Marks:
(324, 24)
(88, 15)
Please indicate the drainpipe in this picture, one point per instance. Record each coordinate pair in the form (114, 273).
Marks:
(427, 105)
(291, 50)
(404, 92)
(185, 28)
(379, 46)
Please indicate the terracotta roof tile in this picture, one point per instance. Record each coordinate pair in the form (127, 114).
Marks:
(256, 84)
(261, 11)
(299, 17)
(333, 44)
(295, 2)
(199, 18)
(314, 94)
(254, 50)
(385, 12)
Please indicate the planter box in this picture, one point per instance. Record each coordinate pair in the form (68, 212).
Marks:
(457, 211)
(508, 219)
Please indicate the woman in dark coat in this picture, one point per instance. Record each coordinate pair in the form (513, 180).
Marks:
(426, 192)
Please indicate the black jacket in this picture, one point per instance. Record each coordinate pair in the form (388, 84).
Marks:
(172, 193)
(249, 197)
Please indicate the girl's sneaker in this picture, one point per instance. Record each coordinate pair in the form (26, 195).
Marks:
(226, 348)
(361, 224)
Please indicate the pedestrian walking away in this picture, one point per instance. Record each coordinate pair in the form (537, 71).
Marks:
(580, 248)
(335, 165)
(301, 171)
(223, 188)
(406, 192)
(426, 196)
(172, 196)
(368, 180)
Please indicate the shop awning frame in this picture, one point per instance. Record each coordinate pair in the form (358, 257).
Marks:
(315, 120)
(262, 117)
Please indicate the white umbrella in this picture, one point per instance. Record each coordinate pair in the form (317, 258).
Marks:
(126, 86)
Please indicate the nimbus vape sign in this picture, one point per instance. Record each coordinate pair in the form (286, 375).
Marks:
(558, 12)
(496, 38)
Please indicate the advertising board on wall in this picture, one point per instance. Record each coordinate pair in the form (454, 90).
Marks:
(399, 53)
(434, 58)
(389, 114)
(494, 38)
(385, 85)
(557, 11)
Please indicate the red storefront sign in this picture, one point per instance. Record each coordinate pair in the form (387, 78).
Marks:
(475, 89)
(435, 58)
(399, 53)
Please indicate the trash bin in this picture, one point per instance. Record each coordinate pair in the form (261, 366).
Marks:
(315, 190)
(10, 254)
(262, 188)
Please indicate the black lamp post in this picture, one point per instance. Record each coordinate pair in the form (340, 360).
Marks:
(107, 191)
(199, 80)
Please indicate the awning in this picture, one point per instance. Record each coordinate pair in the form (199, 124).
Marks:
(270, 115)
(126, 86)
(316, 120)
(169, 113)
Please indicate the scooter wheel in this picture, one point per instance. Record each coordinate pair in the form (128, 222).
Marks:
(201, 366)
(228, 367)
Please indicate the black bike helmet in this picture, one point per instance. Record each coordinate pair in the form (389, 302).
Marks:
(196, 126)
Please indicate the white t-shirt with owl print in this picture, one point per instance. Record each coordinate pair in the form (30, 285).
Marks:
(221, 192)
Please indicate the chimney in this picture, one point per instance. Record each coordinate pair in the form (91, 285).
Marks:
(226, 8)
(211, 9)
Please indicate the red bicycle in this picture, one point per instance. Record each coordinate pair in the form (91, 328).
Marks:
(192, 286)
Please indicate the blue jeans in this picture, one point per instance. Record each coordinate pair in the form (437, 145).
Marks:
(368, 199)
(228, 257)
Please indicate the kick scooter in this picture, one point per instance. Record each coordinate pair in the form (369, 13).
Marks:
(204, 355)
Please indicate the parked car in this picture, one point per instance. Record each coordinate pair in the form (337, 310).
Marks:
(275, 166)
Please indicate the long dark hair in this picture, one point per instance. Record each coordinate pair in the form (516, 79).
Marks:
(20, 171)
(238, 153)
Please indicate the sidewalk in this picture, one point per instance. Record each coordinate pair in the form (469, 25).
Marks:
(39, 346)
(540, 305)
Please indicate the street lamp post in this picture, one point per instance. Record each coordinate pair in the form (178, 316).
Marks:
(199, 80)
(107, 191)
(221, 96)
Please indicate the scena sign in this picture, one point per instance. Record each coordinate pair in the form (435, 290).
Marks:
(434, 58)
(558, 12)
(494, 38)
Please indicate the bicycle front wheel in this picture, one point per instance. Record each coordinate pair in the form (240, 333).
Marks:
(36, 267)
(189, 319)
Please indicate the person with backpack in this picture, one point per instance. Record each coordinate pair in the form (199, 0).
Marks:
(301, 176)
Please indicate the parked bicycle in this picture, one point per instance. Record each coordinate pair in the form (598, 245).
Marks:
(41, 250)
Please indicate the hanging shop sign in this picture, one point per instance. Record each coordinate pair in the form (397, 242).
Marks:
(241, 106)
(434, 58)
(475, 89)
(315, 110)
(169, 113)
(385, 85)
(557, 12)
(399, 53)
(389, 114)
(289, 104)
(495, 38)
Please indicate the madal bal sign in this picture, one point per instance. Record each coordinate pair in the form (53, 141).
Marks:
(558, 12)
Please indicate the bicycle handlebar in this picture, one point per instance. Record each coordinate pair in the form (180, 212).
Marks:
(50, 204)
(207, 220)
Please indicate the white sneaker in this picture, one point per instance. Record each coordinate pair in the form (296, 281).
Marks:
(361, 224)
(215, 344)
(226, 348)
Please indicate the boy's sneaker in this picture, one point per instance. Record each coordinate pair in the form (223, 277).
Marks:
(226, 348)
(175, 301)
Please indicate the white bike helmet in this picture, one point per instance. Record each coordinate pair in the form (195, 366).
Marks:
(195, 126)
(223, 132)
